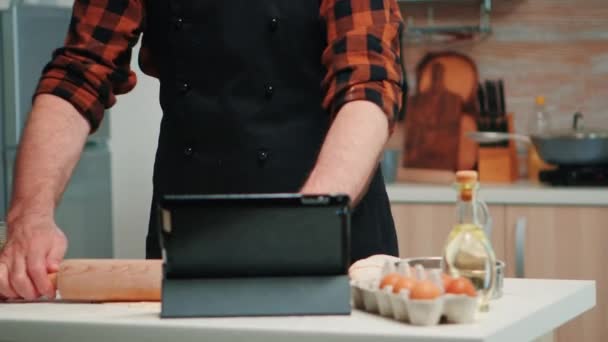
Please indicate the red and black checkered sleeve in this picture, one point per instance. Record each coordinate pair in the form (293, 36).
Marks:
(93, 66)
(363, 54)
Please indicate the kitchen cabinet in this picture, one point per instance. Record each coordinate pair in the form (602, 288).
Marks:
(562, 235)
(562, 242)
(423, 228)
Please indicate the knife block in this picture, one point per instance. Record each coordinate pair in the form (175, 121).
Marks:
(499, 164)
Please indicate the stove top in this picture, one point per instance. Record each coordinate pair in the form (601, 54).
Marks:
(576, 176)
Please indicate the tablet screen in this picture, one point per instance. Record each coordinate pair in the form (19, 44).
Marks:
(254, 235)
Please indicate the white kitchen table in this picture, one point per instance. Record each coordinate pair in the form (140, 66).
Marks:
(528, 309)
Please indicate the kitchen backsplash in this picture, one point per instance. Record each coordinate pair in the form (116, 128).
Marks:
(554, 48)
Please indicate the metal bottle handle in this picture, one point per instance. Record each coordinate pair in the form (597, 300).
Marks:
(487, 226)
(493, 275)
(520, 246)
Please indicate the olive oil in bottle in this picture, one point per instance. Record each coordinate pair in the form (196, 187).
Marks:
(468, 252)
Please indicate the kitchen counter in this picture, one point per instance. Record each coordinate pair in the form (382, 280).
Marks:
(520, 193)
(529, 308)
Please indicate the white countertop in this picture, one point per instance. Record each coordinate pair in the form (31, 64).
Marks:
(523, 193)
(528, 309)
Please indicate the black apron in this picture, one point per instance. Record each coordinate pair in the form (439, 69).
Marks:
(241, 99)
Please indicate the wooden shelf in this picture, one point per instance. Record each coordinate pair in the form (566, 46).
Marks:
(487, 4)
(417, 32)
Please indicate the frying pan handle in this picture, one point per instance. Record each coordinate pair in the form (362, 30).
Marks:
(577, 121)
(520, 137)
(494, 137)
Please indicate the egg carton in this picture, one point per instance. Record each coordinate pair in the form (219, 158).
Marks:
(459, 309)
(369, 297)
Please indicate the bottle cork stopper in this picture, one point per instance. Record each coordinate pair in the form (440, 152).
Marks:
(540, 100)
(466, 176)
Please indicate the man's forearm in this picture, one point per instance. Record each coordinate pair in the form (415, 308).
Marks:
(351, 151)
(51, 145)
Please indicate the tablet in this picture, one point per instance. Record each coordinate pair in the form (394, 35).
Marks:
(254, 235)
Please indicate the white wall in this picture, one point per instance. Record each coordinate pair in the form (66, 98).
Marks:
(134, 126)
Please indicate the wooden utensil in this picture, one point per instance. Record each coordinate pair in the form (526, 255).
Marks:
(460, 77)
(435, 128)
(109, 280)
(432, 126)
(468, 149)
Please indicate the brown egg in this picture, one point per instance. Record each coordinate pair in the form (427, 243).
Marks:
(461, 286)
(390, 280)
(425, 290)
(404, 283)
(446, 280)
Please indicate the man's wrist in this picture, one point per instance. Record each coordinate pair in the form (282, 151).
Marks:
(314, 186)
(25, 210)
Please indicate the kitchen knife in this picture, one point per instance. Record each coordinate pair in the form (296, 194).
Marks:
(492, 108)
(483, 112)
(492, 98)
(502, 114)
(501, 96)
(503, 109)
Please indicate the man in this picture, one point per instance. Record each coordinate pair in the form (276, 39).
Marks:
(258, 97)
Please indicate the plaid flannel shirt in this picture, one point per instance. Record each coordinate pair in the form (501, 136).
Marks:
(362, 56)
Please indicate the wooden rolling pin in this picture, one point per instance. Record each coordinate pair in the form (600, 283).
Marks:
(109, 280)
(121, 280)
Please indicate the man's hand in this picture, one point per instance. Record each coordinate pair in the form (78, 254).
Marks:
(50, 147)
(35, 248)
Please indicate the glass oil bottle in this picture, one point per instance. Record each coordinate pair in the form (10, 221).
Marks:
(468, 252)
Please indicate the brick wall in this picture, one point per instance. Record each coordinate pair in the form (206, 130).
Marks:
(555, 48)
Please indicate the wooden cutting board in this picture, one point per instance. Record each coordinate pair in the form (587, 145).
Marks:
(468, 149)
(432, 126)
(461, 77)
(440, 114)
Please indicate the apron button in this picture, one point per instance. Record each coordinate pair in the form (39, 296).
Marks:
(269, 91)
(184, 87)
(274, 24)
(178, 23)
(262, 156)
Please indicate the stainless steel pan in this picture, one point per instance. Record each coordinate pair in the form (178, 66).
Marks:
(576, 147)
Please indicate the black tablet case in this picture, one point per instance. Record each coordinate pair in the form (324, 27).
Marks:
(267, 254)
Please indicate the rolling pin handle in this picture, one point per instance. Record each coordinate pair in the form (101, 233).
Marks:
(53, 279)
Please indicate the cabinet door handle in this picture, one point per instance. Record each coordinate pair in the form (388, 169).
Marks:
(520, 246)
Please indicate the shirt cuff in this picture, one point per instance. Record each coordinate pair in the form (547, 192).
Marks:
(85, 101)
(385, 94)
